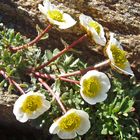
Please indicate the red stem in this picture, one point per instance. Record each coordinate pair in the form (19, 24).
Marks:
(14, 49)
(53, 94)
(104, 63)
(62, 52)
(41, 75)
(69, 80)
(12, 81)
(63, 76)
(50, 76)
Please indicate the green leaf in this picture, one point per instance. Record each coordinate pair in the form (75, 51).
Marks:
(55, 51)
(49, 54)
(57, 85)
(104, 130)
(2, 83)
(75, 62)
(23, 85)
(68, 59)
(10, 88)
(11, 35)
(39, 31)
(126, 105)
(18, 37)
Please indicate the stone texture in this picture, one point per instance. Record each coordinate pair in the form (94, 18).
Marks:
(10, 128)
(119, 16)
(7, 99)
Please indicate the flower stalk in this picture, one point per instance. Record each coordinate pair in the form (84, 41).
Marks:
(97, 66)
(53, 94)
(61, 53)
(14, 49)
(44, 75)
(69, 80)
(64, 76)
(11, 81)
(50, 76)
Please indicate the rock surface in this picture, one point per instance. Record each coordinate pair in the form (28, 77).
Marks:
(119, 16)
(10, 128)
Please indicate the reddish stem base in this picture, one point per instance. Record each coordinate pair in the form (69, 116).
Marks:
(14, 49)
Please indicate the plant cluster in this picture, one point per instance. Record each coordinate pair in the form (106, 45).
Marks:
(92, 104)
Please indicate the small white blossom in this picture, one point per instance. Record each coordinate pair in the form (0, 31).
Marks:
(94, 29)
(56, 16)
(72, 123)
(94, 86)
(118, 57)
(30, 106)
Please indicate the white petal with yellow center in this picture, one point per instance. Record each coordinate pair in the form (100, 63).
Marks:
(94, 86)
(118, 57)
(72, 123)
(94, 29)
(68, 22)
(30, 106)
(56, 16)
(84, 122)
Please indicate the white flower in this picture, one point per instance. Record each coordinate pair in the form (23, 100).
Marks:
(94, 86)
(94, 29)
(56, 16)
(30, 106)
(72, 123)
(117, 56)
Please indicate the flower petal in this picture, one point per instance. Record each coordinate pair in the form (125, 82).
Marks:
(48, 7)
(127, 69)
(67, 135)
(54, 129)
(71, 133)
(85, 123)
(18, 104)
(42, 9)
(87, 99)
(98, 38)
(39, 111)
(68, 22)
(47, 4)
(104, 83)
(24, 116)
(101, 97)
(97, 99)
(84, 20)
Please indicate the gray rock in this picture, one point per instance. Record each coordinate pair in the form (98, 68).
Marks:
(119, 16)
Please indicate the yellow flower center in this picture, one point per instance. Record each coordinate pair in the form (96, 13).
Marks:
(31, 103)
(95, 25)
(119, 56)
(91, 87)
(70, 122)
(56, 15)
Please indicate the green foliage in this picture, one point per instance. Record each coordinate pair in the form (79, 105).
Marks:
(114, 118)
(16, 64)
(116, 113)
